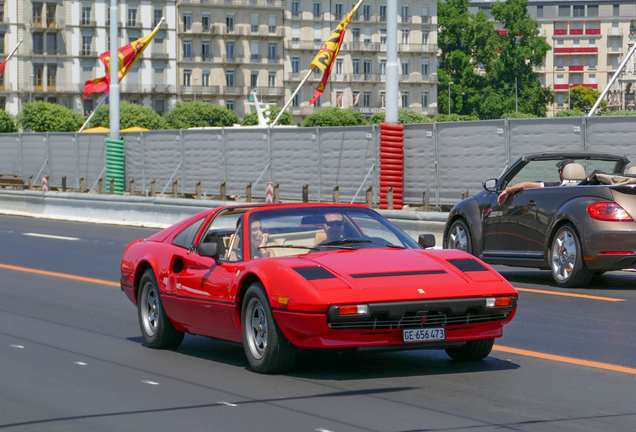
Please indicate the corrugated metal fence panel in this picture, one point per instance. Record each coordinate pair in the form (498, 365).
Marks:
(34, 153)
(10, 154)
(545, 134)
(92, 157)
(246, 156)
(203, 160)
(62, 159)
(133, 151)
(295, 162)
(612, 135)
(162, 154)
(419, 162)
(346, 156)
(469, 153)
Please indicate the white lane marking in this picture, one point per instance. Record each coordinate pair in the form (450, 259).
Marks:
(17, 346)
(227, 404)
(150, 382)
(51, 236)
(323, 430)
(80, 363)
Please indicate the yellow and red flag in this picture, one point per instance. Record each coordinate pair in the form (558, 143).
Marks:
(128, 56)
(326, 57)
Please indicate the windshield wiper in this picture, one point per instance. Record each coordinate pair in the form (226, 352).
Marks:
(345, 241)
(289, 247)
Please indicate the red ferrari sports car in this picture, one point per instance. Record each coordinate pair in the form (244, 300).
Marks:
(283, 277)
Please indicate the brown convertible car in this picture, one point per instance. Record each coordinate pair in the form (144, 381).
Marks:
(577, 229)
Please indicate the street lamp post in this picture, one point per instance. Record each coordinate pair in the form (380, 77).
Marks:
(31, 89)
(449, 97)
(195, 88)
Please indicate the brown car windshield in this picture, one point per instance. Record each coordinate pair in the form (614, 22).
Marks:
(546, 170)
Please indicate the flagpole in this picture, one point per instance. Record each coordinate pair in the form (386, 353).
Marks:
(114, 70)
(94, 111)
(280, 114)
(14, 50)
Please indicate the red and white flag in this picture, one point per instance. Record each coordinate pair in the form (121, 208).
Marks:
(4, 63)
(339, 99)
(357, 100)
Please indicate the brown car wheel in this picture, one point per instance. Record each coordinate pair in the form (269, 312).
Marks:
(459, 237)
(566, 259)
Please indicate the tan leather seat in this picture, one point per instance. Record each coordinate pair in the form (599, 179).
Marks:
(574, 172)
(320, 237)
(631, 170)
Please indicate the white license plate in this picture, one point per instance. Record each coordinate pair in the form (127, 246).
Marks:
(424, 335)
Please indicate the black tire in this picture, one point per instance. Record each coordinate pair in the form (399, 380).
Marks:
(156, 328)
(473, 350)
(267, 349)
(459, 237)
(566, 259)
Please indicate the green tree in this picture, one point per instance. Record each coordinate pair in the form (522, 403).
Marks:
(252, 118)
(7, 122)
(584, 98)
(49, 117)
(130, 115)
(619, 113)
(335, 116)
(454, 117)
(517, 115)
(405, 116)
(569, 113)
(200, 114)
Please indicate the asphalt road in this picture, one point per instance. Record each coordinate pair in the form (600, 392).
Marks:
(72, 359)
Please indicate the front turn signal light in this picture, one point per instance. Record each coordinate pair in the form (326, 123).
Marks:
(353, 310)
(498, 301)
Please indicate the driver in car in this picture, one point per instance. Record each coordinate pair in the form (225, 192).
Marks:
(258, 239)
(333, 226)
(503, 196)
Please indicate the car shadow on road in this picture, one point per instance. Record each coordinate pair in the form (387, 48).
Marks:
(616, 280)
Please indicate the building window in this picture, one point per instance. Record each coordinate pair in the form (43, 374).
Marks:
(366, 12)
(254, 79)
(560, 62)
(51, 43)
(272, 24)
(366, 66)
(187, 49)
(383, 36)
(578, 10)
(229, 78)
(560, 99)
(592, 42)
(296, 100)
(229, 50)
(592, 63)
(187, 22)
(616, 10)
(51, 77)
(405, 36)
(425, 37)
(86, 45)
(592, 78)
(539, 11)
(271, 79)
(338, 12)
(187, 78)
(229, 21)
(38, 43)
(205, 23)
(229, 105)
(424, 67)
(339, 96)
(37, 15)
(405, 99)
(86, 15)
(405, 67)
(366, 99)
(592, 10)
(158, 15)
(38, 72)
(295, 64)
(356, 66)
(318, 102)
(271, 51)
(295, 8)
(383, 67)
(383, 13)
(564, 11)
(160, 106)
(560, 79)
(424, 99)
(1, 43)
(382, 99)
(205, 50)
(132, 17)
(50, 14)
(316, 10)
(405, 14)
(338, 66)
(205, 82)
(355, 33)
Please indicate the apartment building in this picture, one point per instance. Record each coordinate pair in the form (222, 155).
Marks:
(229, 48)
(358, 77)
(62, 40)
(588, 40)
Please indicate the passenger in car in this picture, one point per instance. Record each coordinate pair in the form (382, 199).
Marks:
(503, 196)
(258, 239)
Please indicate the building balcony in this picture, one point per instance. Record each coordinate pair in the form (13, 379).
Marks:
(426, 19)
(157, 55)
(198, 29)
(303, 110)
(614, 31)
(615, 50)
(275, 4)
(49, 25)
(417, 78)
(363, 46)
(417, 48)
(163, 88)
(576, 32)
(136, 24)
(578, 68)
(566, 86)
(88, 24)
(592, 31)
(335, 77)
(200, 90)
(135, 88)
(42, 53)
(88, 54)
(266, 31)
(274, 60)
(55, 88)
(404, 19)
(268, 91)
(304, 45)
(589, 50)
(560, 32)
(231, 59)
(364, 77)
(233, 90)
(231, 30)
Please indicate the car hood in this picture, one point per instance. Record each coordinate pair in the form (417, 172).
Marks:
(406, 273)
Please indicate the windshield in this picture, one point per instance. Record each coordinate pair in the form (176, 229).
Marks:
(547, 171)
(294, 231)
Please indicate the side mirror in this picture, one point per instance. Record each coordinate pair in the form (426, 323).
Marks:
(209, 249)
(426, 240)
(490, 185)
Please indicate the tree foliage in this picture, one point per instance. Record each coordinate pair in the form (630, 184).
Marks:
(130, 115)
(252, 118)
(483, 64)
(569, 113)
(7, 123)
(200, 114)
(517, 115)
(405, 116)
(454, 117)
(619, 113)
(335, 116)
(584, 98)
(49, 117)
